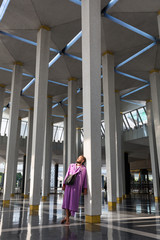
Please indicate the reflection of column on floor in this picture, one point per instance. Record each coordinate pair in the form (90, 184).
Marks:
(6, 222)
(2, 92)
(28, 153)
(93, 230)
(24, 220)
(15, 159)
(40, 111)
(44, 220)
(127, 175)
(91, 72)
(157, 209)
(68, 234)
(13, 124)
(32, 233)
(110, 124)
(54, 204)
(56, 177)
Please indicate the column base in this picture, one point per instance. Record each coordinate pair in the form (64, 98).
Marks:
(12, 194)
(127, 195)
(119, 200)
(112, 206)
(123, 197)
(6, 203)
(157, 199)
(44, 198)
(92, 219)
(34, 209)
(25, 196)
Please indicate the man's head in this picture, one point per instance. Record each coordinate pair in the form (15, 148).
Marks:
(81, 159)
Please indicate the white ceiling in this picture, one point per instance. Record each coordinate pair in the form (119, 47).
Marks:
(23, 19)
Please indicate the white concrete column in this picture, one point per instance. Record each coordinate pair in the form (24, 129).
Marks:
(91, 73)
(153, 152)
(12, 133)
(15, 158)
(110, 122)
(47, 154)
(40, 111)
(65, 164)
(118, 149)
(155, 94)
(122, 157)
(28, 153)
(2, 94)
(78, 142)
(72, 95)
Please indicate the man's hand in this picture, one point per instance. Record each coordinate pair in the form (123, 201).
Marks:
(63, 188)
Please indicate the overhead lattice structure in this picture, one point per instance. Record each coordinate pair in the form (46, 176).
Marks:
(129, 30)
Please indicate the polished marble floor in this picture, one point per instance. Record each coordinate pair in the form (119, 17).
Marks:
(136, 218)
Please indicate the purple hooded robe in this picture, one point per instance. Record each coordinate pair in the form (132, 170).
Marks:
(73, 192)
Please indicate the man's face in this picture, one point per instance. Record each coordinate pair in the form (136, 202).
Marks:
(80, 160)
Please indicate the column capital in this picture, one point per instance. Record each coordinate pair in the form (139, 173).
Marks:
(117, 91)
(72, 79)
(49, 96)
(154, 70)
(19, 63)
(45, 27)
(2, 85)
(149, 100)
(107, 52)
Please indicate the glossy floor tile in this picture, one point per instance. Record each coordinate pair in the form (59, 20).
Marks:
(136, 218)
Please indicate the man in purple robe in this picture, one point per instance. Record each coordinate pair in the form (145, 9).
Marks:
(73, 192)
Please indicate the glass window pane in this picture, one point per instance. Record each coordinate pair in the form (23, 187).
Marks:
(126, 122)
(130, 120)
(136, 117)
(3, 126)
(143, 115)
(23, 124)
